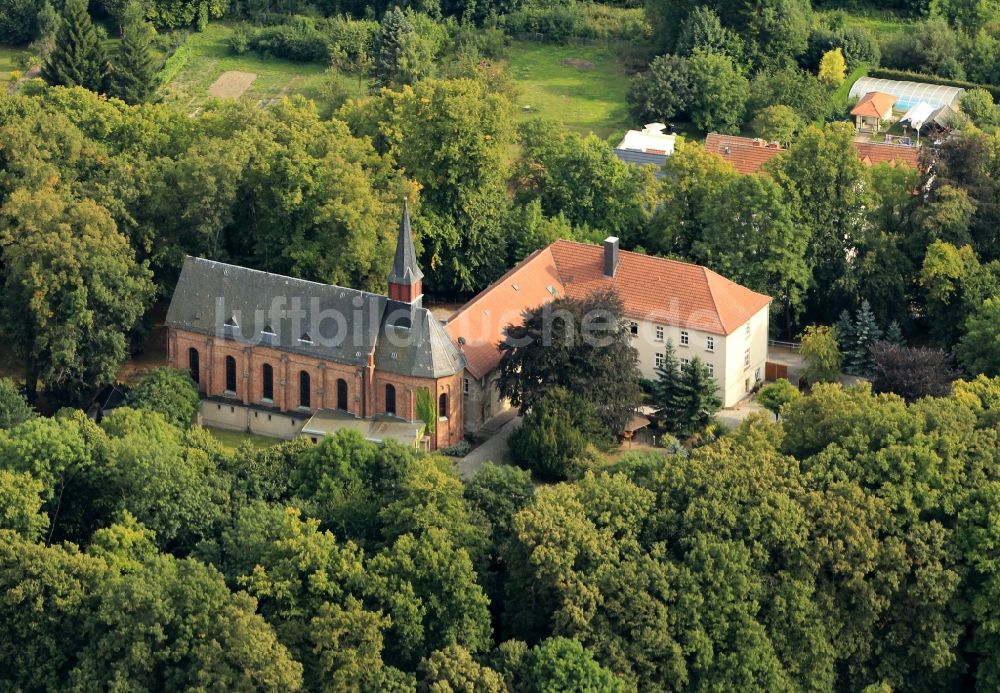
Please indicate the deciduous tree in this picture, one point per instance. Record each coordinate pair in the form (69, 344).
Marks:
(169, 391)
(821, 353)
(73, 292)
(911, 372)
(581, 345)
(14, 408)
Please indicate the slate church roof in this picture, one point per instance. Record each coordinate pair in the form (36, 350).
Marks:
(324, 321)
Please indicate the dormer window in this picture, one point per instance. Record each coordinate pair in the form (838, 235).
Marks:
(393, 355)
(231, 322)
(305, 338)
(268, 331)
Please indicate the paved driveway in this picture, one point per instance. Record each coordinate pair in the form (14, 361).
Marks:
(493, 450)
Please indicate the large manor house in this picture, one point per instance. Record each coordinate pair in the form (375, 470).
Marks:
(287, 357)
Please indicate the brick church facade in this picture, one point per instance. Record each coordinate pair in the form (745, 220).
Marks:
(271, 345)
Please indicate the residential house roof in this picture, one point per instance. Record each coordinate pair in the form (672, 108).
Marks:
(875, 104)
(651, 288)
(320, 320)
(745, 154)
(748, 155)
(872, 153)
(478, 326)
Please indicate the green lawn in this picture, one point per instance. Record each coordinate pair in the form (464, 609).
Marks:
(8, 63)
(208, 57)
(880, 23)
(581, 86)
(234, 439)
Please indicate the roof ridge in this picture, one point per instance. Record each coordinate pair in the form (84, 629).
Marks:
(658, 258)
(711, 293)
(282, 276)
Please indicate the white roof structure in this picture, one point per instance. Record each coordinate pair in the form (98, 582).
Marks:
(908, 94)
(918, 115)
(650, 140)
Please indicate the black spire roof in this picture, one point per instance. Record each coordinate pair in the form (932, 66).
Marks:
(405, 269)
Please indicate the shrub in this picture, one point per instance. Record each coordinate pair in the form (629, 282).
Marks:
(459, 449)
(912, 373)
(239, 41)
(775, 395)
(588, 21)
(298, 40)
(356, 37)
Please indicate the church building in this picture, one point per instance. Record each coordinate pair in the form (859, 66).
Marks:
(286, 357)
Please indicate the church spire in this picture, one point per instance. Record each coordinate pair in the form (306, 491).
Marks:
(404, 280)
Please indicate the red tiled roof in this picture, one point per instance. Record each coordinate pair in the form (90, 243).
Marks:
(878, 153)
(875, 104)
(746, 155)
(652, 288)
(480, 322)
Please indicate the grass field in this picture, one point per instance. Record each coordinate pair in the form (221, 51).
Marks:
(8, 63)
(880, 23)
(581, 86)
(234, 439)
(208, 57)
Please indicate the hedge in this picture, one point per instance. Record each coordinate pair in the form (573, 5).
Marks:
(886, 73)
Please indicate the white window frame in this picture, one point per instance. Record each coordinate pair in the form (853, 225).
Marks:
(746, 358)
(658, 360)
(709, 343)
(711, 369)
(659, 333)
(685, 338)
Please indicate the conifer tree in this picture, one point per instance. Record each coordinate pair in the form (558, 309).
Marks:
(865, 332)
(667, 388)
(845, 331)
(894, 335)
(133, 72)
(700, 396)
(78, 58)
(390, 45)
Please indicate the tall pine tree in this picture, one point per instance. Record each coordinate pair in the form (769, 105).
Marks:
(133, 72)
(667, 388)
(700, 396)
(78, 58)
(390, 45)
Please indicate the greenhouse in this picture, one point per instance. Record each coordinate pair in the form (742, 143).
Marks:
(908, 94)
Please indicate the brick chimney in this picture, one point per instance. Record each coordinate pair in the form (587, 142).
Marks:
(610, 256)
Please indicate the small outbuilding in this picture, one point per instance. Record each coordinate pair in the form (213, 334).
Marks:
(649, 146)
(872, 110)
